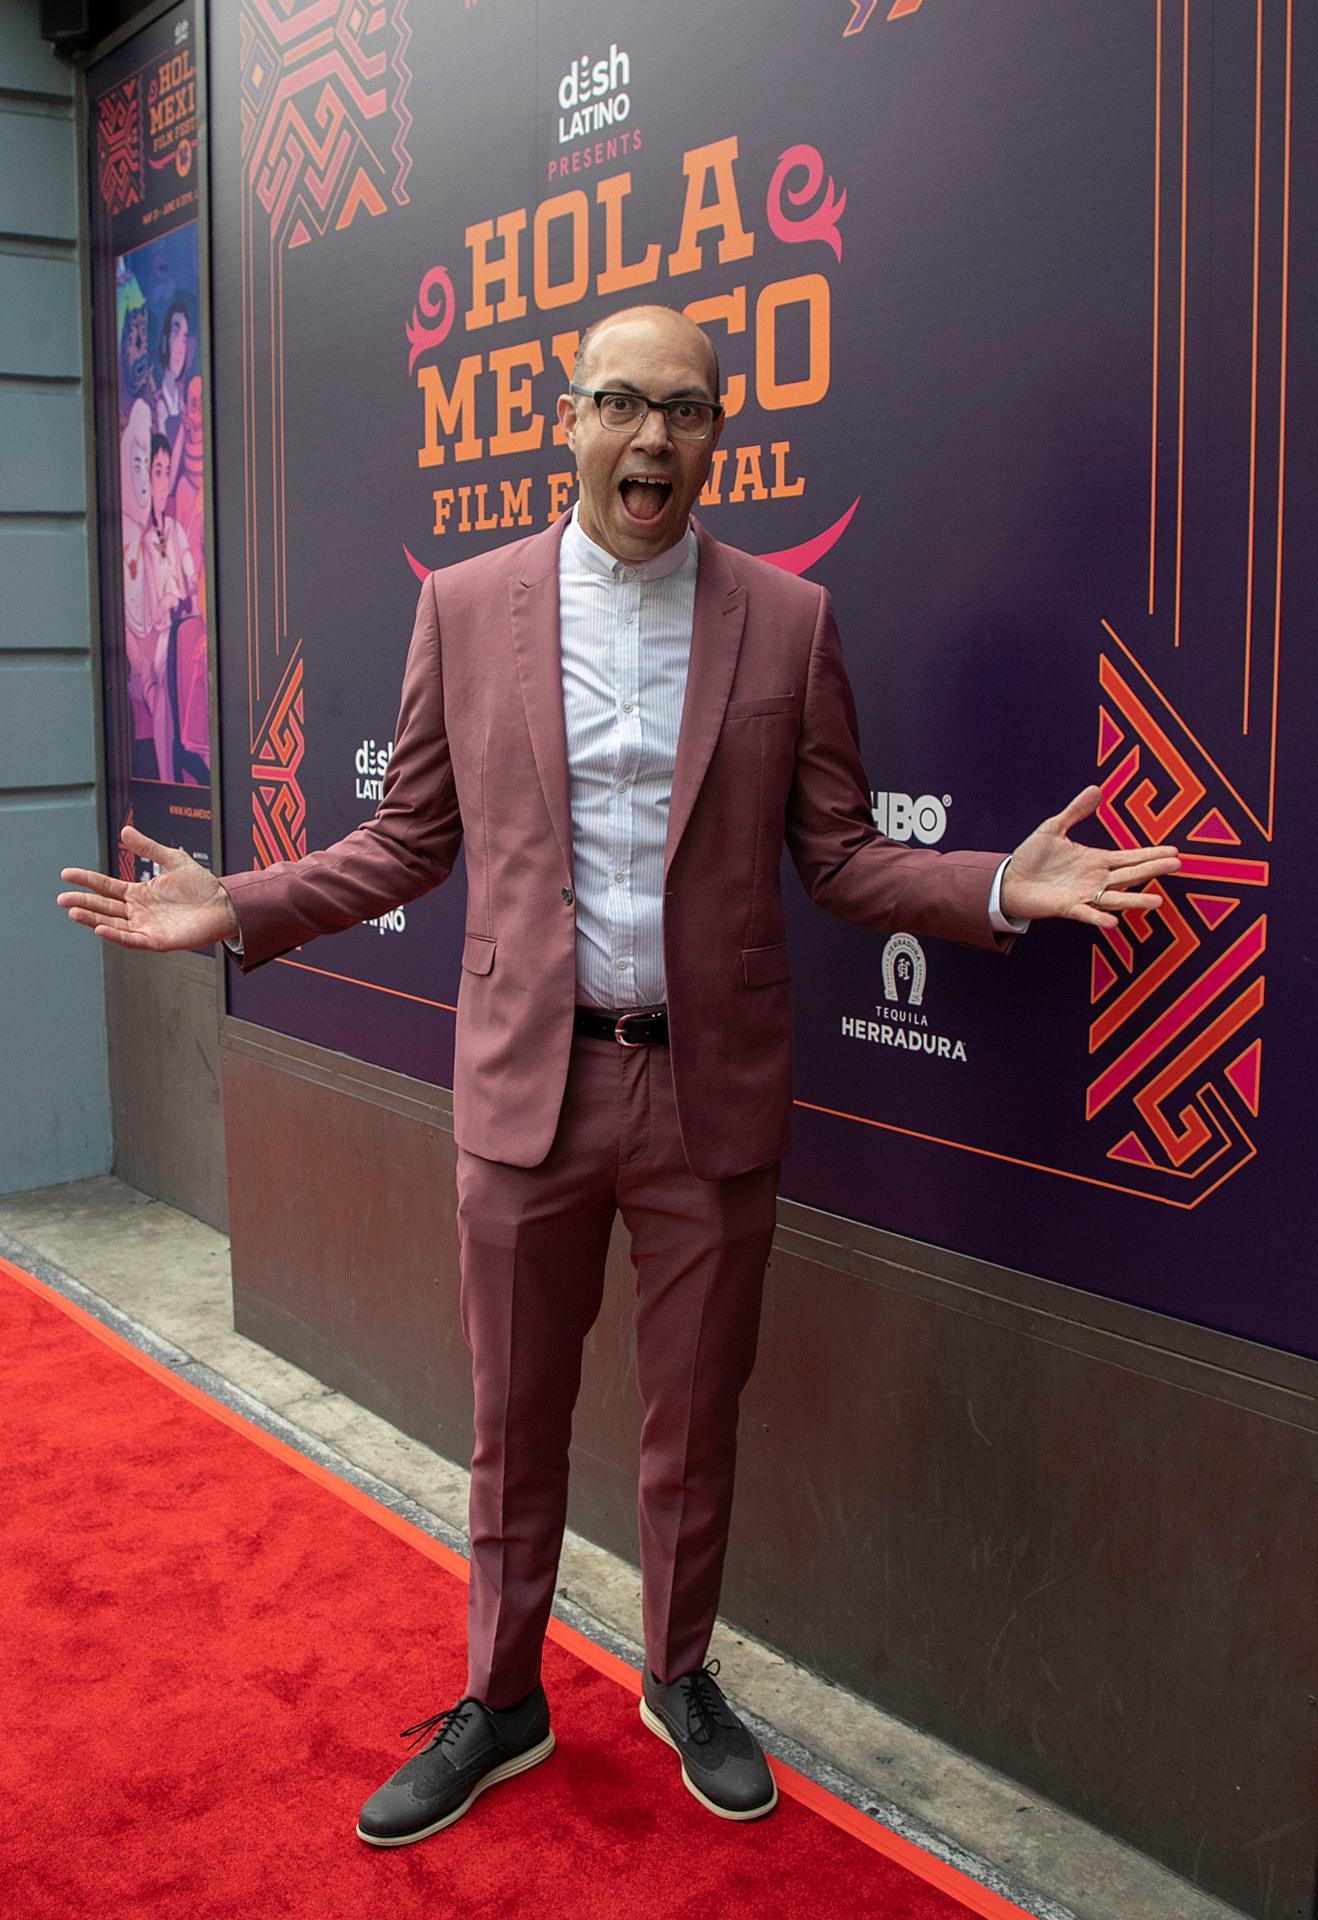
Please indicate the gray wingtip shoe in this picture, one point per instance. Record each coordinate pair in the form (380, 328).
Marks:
(472, 1748)
(723, 1764)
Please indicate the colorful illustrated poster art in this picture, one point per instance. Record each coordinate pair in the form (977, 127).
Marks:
(1012, 304)
(150, 415)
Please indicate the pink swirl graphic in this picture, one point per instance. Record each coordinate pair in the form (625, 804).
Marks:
(790, 559)
(436, 301)
(801, 559)
(822, 224)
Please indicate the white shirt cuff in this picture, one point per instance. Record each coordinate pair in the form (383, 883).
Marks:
(998, 920)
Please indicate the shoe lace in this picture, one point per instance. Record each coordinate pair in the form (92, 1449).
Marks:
(445, 1725)
(706, 1709)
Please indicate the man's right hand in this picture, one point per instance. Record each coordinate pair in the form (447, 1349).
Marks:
(183, 906)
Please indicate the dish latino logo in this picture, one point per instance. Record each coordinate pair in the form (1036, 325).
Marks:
(592, 94)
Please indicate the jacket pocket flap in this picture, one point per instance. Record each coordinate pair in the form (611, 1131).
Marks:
(770, 703)
(477, 953)
(763, 966)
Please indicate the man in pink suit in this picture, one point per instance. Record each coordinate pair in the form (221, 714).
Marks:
(622, 720)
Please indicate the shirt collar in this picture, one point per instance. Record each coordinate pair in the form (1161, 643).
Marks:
(582, 551)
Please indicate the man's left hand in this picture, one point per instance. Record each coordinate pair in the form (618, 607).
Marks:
(1052, 877)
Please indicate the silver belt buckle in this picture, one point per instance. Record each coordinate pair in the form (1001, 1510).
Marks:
(619, 1032)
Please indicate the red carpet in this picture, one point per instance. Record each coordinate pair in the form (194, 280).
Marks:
(208, 1646)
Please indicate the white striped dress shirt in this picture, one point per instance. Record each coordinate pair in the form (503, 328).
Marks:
(625, 639)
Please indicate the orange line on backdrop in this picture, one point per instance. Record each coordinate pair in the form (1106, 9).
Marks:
(1185, 160)
(1281, 429)
(1254, 362)
(1157, 290)
(283, 459)
(374, 985)
(816, 1799)
(274, 442)
(1031, 1166)
(1157, 690)
(247, 457)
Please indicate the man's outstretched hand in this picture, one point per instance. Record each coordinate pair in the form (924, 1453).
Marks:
(1052, 877)
(184, 906)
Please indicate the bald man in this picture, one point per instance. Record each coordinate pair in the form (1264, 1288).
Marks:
(624, 720)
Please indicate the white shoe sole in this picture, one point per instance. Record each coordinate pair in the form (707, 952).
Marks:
(531, 1758)
(656, 1725)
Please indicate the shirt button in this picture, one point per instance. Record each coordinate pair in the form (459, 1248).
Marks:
(620, 876)
(627, 706)
(622, 786)
(622, 966)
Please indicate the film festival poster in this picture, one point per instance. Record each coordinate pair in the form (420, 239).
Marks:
(1043, 478)
(144, 172)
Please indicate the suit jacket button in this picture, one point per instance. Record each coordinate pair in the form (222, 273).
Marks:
(567, 896)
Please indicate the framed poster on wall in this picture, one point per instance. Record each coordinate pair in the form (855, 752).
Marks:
(144, 172)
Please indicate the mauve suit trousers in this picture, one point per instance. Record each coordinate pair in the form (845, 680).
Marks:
(533, 1247)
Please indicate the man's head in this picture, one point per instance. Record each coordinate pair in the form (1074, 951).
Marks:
(175, 338)
(135, 464)
(638, 485)
(160, 475)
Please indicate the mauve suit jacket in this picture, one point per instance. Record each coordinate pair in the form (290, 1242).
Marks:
(767, 752)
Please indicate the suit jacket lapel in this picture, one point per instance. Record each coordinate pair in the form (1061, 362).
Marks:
(716, 629)
(533, 612)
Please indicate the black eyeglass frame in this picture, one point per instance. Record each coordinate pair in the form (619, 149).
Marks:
(651, 406)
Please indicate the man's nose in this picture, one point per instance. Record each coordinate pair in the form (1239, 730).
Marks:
(652, 434)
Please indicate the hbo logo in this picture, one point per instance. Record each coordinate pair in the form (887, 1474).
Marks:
(900, 817)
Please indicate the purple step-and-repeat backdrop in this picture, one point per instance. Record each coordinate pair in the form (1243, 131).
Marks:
(1013, 332)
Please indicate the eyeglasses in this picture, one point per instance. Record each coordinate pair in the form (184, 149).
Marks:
(623, 412)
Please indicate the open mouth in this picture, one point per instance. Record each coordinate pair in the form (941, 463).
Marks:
(645, 498)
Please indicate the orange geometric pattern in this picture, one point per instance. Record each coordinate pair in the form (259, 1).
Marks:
(324, 86)
(324, 132)
(119, 147)
(279, 811)
(1173, 993)
(861, 11)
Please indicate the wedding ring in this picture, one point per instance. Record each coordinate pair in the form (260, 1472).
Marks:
(1098, 897)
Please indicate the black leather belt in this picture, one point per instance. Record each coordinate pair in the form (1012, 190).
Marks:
(629, 1029)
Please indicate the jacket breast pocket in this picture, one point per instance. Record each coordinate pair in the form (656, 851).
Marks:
(477, 953)
(771, 703)
(765, 966)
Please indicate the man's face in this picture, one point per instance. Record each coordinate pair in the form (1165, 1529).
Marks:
(135, 464)
(160, 483)
(178, 344)
(638, 487)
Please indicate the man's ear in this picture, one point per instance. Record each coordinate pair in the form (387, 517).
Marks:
(567, 417)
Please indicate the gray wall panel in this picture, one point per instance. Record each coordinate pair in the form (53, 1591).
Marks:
(41, 449)
(27, 64)
(37, 192)
(43, 595)
(54, 1116)
(39, 331)
(46, 737)
(162, 1012)
(55, 1110)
